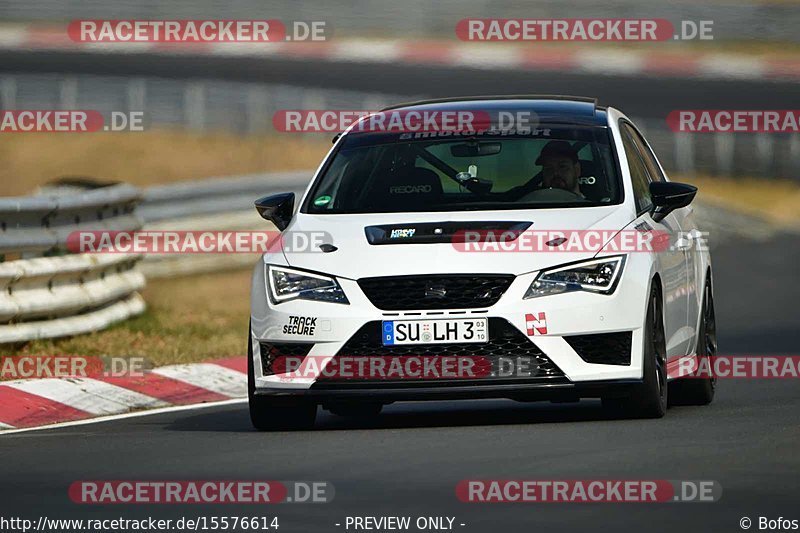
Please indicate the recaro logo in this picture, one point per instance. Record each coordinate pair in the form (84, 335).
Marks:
(409, 189)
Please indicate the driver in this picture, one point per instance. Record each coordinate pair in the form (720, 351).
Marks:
(560, 167)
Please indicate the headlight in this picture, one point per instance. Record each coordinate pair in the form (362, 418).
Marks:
(597, 275)
(285, 284)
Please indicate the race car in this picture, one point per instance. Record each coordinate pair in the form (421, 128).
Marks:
(535, 251)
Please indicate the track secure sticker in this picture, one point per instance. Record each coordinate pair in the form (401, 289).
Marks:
(300, 325)
(536, 324)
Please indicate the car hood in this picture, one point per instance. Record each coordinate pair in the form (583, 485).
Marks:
(355, 257)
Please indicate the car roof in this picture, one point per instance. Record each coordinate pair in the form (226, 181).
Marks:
(557, 109)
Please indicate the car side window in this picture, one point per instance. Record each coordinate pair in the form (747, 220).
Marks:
(648, 156)
(640, 178)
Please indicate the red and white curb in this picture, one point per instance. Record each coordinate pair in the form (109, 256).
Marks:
(37, 402)
(489, 56)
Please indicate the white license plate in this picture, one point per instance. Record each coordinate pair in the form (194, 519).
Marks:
(396, 332)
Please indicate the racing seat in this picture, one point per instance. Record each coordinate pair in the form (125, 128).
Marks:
(592, 187)
(407, 190)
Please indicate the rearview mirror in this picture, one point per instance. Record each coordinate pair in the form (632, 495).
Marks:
(475, 149)
(277, 208)
(669, 195)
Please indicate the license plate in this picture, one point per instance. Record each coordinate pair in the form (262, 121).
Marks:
(435, 331)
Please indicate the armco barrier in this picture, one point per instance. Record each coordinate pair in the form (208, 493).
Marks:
(220, 204)
(47, 294)
(215, 195)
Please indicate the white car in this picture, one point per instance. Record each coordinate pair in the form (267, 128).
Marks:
(498, 262)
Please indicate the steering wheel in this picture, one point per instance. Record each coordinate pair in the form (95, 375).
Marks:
(551, 194)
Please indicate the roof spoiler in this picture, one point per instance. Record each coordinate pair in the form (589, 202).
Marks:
(585, 99)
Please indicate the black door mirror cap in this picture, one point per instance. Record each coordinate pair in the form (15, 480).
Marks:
(277, 208)
(670, 195)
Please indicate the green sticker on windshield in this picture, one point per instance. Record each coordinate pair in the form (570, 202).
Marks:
(322, 200)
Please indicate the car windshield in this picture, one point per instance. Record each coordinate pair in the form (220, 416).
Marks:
(392, 173)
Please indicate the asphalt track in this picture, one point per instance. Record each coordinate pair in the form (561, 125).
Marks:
(638, 96)
(408, 462)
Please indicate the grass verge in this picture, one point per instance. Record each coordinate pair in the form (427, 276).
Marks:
(28, 160)
(774, 200)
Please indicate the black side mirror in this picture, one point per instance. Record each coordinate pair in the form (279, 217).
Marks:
(669, 195)
(277, 208)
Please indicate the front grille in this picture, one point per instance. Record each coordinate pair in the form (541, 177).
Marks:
(603, 348)
(504, 341)
(452, 291)
(271, 351)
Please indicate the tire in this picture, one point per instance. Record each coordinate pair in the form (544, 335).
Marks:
(693, 390)
(649, 399)
(274, 413)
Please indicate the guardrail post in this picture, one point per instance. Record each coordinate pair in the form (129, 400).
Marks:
(8, 92)
(794, 156)
(684, 152)
(136, 93)
(765, 149)
(194, 105)
(724, 144)
(68, 93)
(257, 106)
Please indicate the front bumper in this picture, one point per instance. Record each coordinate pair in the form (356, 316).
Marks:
(565, 317)
(563, 390)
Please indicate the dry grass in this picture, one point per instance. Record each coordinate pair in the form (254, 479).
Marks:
(776, 200)
(190, 319)
(146, 158)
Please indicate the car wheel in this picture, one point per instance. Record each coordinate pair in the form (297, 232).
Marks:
(649, 399)
(693, 390)
(273, 413)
